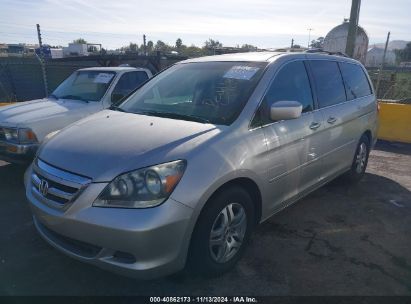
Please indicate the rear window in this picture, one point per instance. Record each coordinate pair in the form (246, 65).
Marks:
(356, 83)
(328, 82)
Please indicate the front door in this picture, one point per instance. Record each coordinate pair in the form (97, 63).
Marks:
(293, 152)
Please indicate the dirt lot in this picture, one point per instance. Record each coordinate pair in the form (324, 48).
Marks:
(340, 240)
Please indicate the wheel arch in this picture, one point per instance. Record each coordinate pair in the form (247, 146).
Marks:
(369, 136)
(250, 186)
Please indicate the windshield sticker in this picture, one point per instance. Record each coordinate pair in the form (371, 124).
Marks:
(241, 72)
(103, 78)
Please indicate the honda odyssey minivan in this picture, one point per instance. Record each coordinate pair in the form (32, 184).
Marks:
(182, 171)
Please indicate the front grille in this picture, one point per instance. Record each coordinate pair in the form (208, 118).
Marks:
(55, 187)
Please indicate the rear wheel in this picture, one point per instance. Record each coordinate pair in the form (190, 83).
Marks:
(222, 232)
(360, 160)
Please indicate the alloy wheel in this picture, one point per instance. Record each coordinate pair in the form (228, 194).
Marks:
(227, 233)
(361, 158)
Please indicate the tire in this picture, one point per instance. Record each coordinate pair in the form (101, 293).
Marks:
(360, 161)
(211, 236)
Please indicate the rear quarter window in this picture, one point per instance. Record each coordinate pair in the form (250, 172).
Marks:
(355, 80)
(328, 82)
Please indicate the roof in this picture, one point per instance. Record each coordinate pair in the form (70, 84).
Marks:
(267, 57)
(341, 30)
(248, 56)
(111, 69)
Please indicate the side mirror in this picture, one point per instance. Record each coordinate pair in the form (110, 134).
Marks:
(284, 110)
(116, 97)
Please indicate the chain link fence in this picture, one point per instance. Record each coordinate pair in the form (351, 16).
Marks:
(21, 78)
(395, 84)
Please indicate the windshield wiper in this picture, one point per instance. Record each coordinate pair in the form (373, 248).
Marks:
(175, 116)
(74, 97)
(117, 108)
(53, 96)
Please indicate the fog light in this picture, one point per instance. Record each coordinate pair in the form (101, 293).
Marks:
(12, 149)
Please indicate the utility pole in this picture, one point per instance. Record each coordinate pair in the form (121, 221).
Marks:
(352, 28)
(145, 44)
(41, 60)
(309, 37)
(292, 42)
(382, 64)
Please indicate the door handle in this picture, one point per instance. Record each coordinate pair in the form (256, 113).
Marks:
(331, 120)
(315, 125)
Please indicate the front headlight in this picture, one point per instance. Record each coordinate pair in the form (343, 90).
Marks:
(143, 188)
(11, 134)
(21, 136)
(27, 136)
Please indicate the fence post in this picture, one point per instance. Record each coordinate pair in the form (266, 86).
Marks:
(44, 72)
(41, 60)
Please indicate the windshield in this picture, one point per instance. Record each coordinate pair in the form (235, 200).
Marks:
(85, 85)
(214, 92)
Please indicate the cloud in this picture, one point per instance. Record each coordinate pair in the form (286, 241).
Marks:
(262, 22)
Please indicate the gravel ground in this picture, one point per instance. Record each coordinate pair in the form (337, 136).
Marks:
(339, 240)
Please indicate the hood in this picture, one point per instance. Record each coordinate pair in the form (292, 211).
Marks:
(109, 143)
(24, 113)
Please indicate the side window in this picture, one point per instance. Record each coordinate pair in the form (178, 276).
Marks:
(328, 82)
(290, 84)
(356, 83)
(127, 83)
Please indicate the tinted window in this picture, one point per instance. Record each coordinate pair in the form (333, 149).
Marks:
(129, 81)
(328, 81)
(356, 83)
(291, 84)
(206, 91)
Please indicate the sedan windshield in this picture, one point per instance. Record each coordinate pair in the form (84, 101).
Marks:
(85, 85)
(213, 92)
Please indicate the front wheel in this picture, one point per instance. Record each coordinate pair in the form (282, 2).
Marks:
(360, 160)
(222, 232)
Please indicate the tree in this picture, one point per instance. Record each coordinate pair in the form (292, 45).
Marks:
(150, 46)
(192, 51)
(133, 47)
(179, 43)
(80, 41)
(212, 44)
(249, 47)
(161, 46)
(405, 53)
(318, 43)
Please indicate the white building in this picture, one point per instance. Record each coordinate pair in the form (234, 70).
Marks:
(336, 41)
(374, 57)
(75, 49)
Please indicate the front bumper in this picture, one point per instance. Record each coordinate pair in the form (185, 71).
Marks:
(141, 243)
(17, 153)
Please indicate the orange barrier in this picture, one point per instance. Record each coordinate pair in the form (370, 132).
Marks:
(395, 122)
(5, 103)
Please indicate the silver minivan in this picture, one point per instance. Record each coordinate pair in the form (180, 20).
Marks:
(182, 171)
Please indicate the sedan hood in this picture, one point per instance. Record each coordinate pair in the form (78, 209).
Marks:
(24, 113)
(109, 143)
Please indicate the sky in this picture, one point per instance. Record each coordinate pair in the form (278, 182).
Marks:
(263, 23)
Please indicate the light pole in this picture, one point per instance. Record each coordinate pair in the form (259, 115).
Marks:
(309, 37)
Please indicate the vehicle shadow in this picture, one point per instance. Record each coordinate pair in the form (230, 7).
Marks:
(11, 175)
(393, 147)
